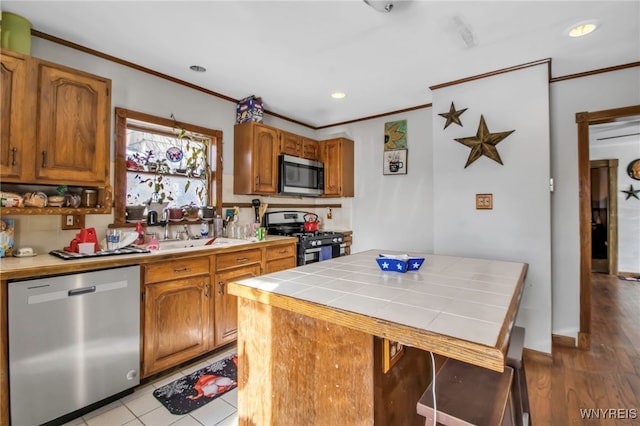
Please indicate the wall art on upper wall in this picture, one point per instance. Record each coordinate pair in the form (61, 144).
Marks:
(395, 162)
(632, 193)
(453, 116)
(483, 143)
(395, 135)
(633, 169)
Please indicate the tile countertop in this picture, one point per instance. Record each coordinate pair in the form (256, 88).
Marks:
(461, 308)
(46, 264)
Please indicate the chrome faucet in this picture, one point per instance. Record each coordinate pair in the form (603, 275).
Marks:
(187, 232)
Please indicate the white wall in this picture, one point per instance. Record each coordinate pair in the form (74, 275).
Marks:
(625, 150)
(593, 93)
(391, 211)
(518, 227)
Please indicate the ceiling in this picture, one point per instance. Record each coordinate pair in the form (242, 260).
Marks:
(294, 54)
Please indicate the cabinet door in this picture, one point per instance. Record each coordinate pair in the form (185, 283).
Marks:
(310, 149)
(280, 257)
(338, 157)
(15, 107)
(265, 160)
(280, 264)
(290, 144)
(176, 322)
(226, 305)
(332, 159)
(72, 144)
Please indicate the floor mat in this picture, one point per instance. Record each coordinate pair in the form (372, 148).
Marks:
(200, 387)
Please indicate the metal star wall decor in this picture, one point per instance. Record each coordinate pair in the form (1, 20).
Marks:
(632, 193)
(453, 116)
(484, 143)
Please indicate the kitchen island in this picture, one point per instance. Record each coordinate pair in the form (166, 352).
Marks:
(306, 335)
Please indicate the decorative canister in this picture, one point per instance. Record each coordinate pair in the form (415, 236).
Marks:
(89, 198)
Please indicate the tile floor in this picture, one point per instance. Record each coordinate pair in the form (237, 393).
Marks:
(142, 408)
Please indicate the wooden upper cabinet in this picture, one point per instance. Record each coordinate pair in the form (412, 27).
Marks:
(298, 146)
(290, 144)
(255, 159)
(255, 163)
(14, 134)
(65, 111)
(72, 142)
(310, 149)
(337, 156)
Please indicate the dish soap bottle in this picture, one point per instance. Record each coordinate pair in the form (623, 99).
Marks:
(140, 232)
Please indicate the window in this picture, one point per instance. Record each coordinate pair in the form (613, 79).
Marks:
(160, 160)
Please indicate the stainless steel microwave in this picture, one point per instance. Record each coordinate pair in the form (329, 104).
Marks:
(300, 176)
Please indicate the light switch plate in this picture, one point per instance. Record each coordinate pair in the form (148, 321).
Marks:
(72, 221)
(484, 201)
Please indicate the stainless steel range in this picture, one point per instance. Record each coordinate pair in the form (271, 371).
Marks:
(312, 246)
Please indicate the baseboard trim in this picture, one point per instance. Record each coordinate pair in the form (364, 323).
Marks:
(569, 342)
(537, 356)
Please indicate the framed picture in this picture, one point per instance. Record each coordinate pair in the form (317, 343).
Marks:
(391, 353)
(395, 135)
(395, 162)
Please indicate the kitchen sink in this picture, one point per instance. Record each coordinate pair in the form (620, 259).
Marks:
(217, 243)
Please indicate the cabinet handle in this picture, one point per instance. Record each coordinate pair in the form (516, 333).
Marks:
(207, 288)
(283, 251)
(257, 180)
(221, 287)
(177, 271)
(44, 159)
(242, 259)
(13, 153)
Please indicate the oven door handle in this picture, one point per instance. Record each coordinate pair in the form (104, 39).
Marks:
(312, 250)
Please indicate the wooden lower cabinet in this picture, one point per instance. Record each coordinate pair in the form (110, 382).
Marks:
(226, 305)
(280, 257)
(186, 309)
(348, 241)
(177, 313)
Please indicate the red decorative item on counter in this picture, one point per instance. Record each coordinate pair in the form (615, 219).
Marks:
(86, 235)
(140, 231)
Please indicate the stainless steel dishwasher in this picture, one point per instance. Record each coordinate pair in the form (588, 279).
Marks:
(74, 340)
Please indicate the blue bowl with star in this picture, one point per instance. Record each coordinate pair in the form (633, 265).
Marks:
(399, 263)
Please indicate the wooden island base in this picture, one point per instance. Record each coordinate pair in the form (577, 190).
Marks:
(295, 370)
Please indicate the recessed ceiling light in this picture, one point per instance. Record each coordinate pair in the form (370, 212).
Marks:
(197, 68)
(338, 95)
(582, 28)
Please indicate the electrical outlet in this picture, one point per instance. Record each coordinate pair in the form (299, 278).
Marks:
(72, 221)
(484, 201)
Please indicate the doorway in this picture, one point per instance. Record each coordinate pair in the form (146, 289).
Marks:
(584, 120)
(604, 216)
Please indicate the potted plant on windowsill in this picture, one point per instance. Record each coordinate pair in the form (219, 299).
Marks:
(191, 212)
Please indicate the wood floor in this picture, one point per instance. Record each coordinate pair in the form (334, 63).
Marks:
(605, 378)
